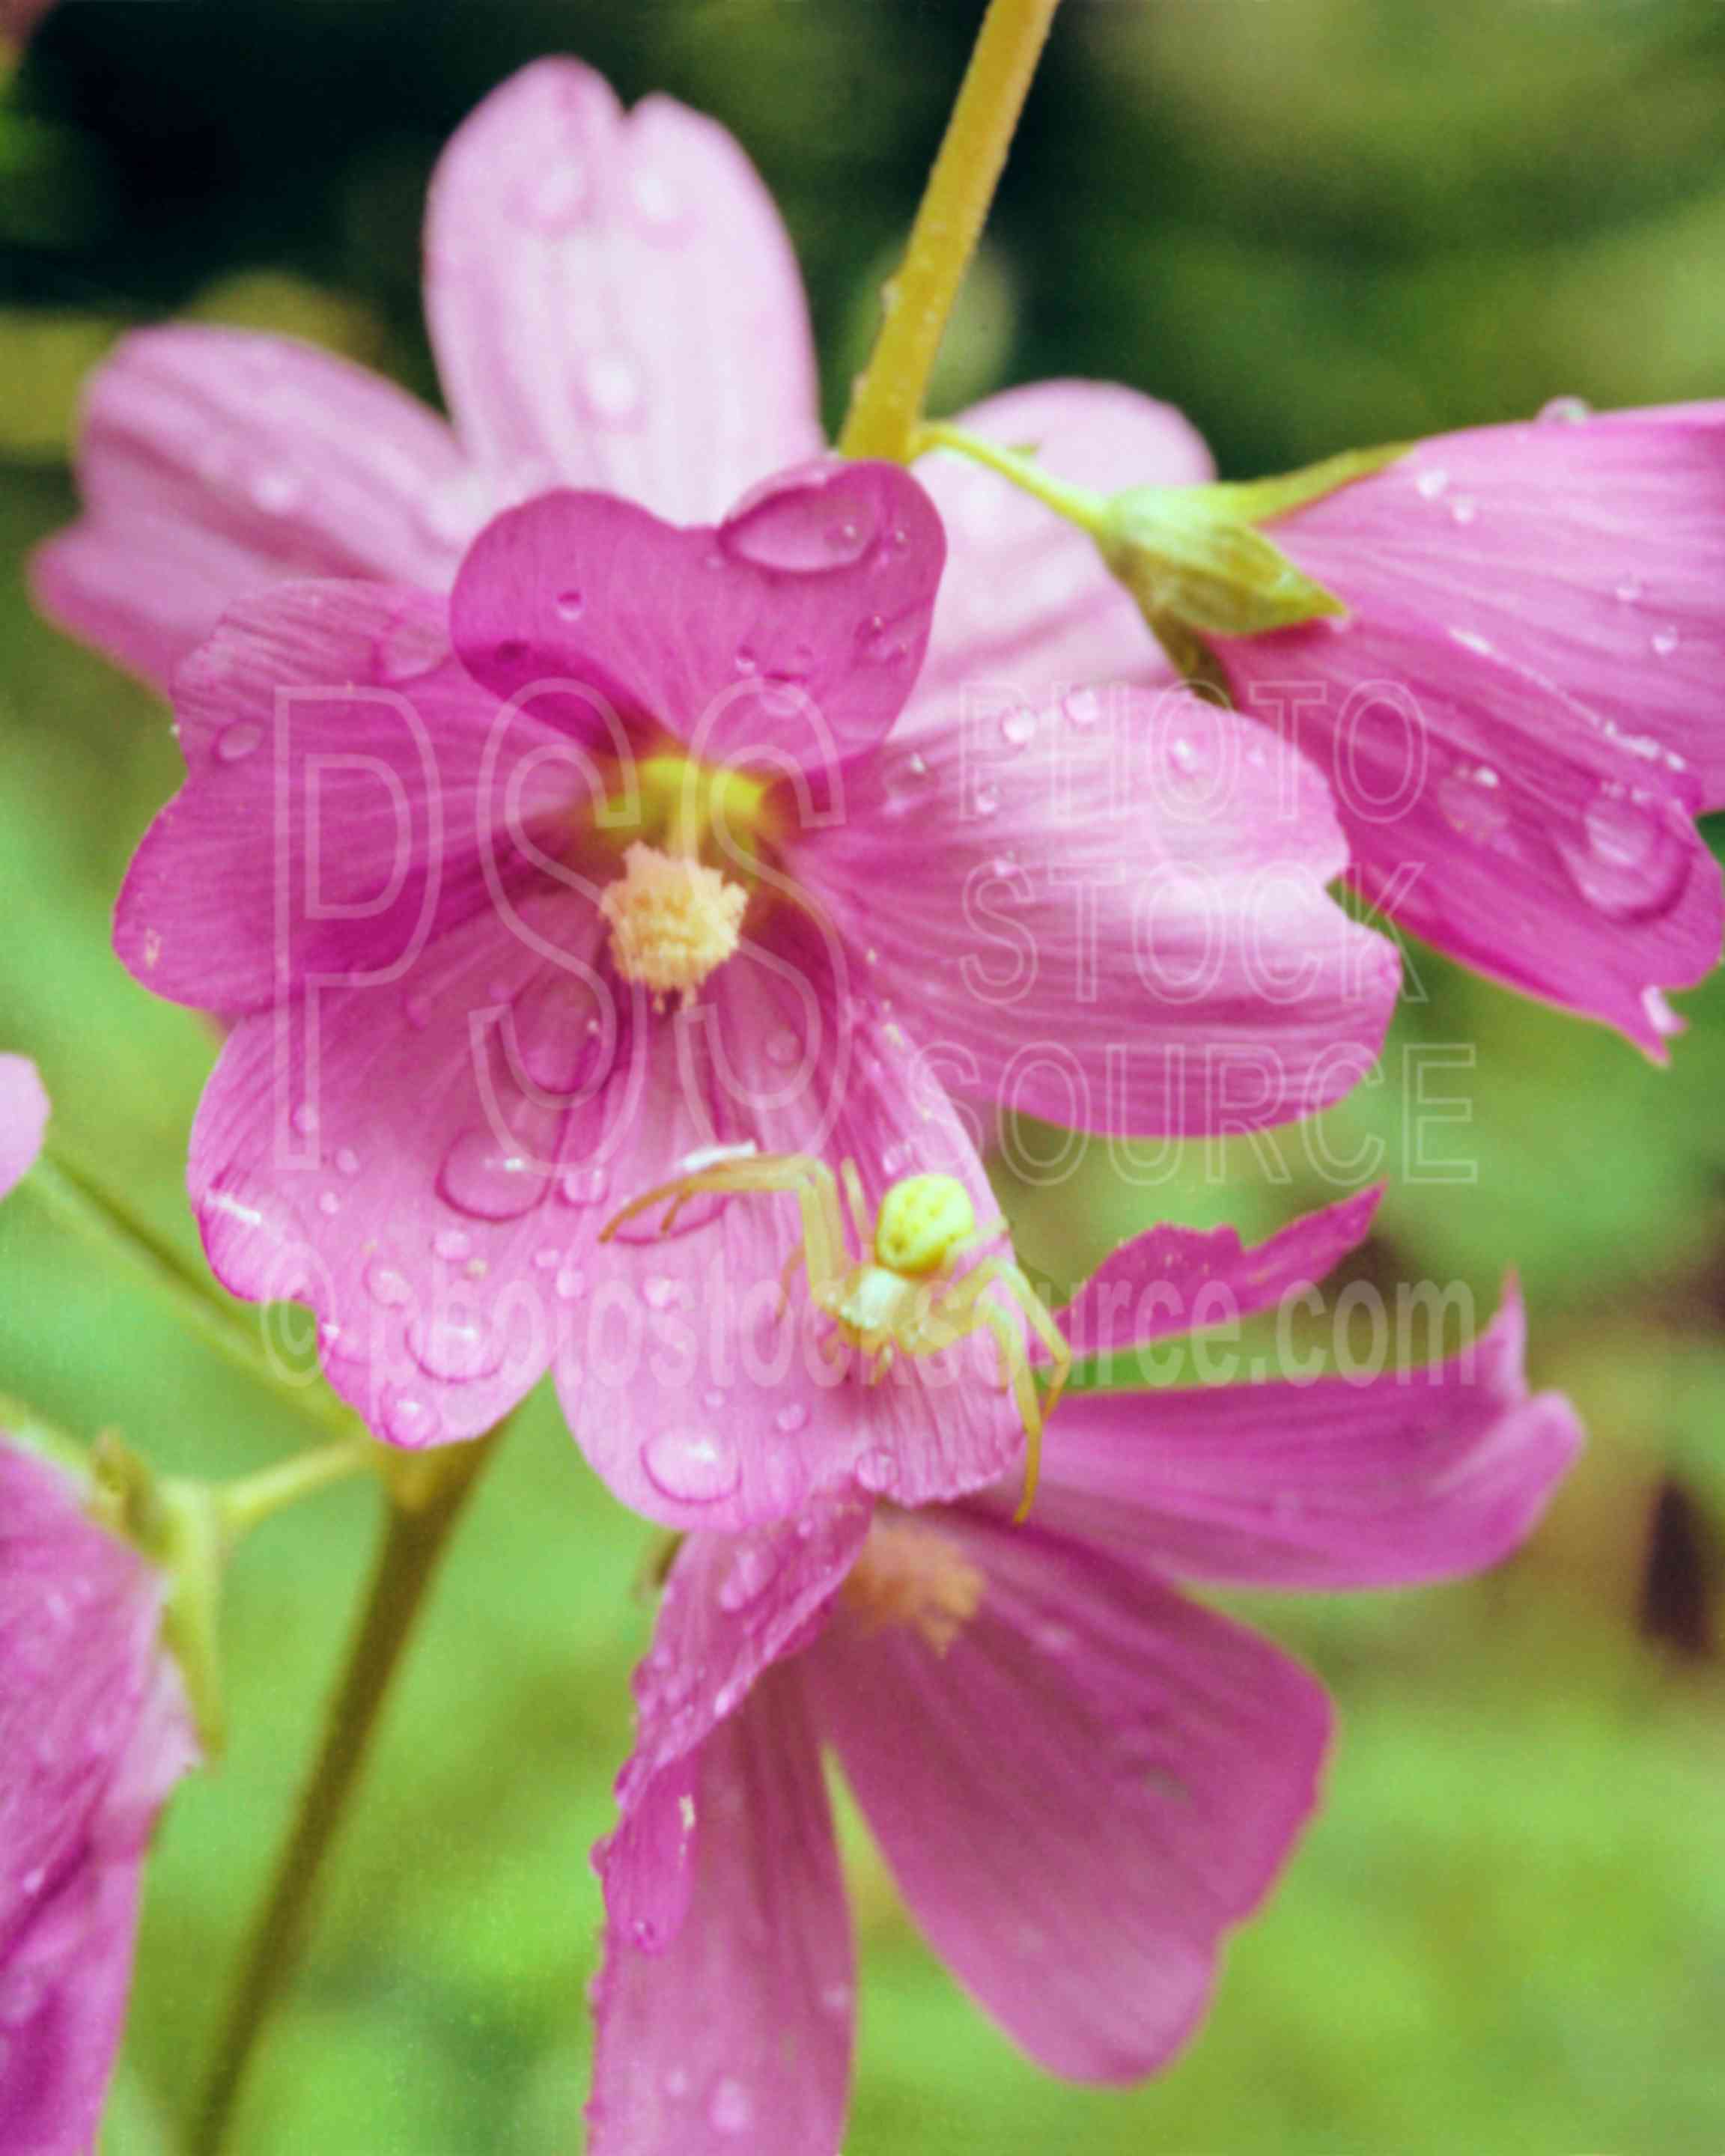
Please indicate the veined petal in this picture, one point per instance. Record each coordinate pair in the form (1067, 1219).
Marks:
(1171, 1280)
(23, 1118)
(612, 298)
(1589, 550)
(1026, 597)
(1494, 814)
(1384, 1479)
(214, 463)
(737, 2034)
(733, 1605)
(1110, 912)
(790, 634)
(349, 793)
(1081, 1795)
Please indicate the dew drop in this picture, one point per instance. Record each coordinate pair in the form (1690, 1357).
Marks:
(583, 1186)
(257, 1243)
(784, 1048)
(803, 528)
(1083, 708)
(1565, 411)
(451, 1243)
(570, 1284)
(1663, 1021)
(986, 800)
(1636, 859)
(657, 203)
(328, 1203)
(1018, 728)
(458, 1349)
(347, 1161)
(1471, 640)
(490, 1180)
(750, 1575)
(1464, 509)
(386, 1285)
(880, 642)
(1472, 799)
(410, 1421)
(877, 1471)
(691, 1466)
(304, 1119)
(1431, 482)
(747, 662)
(611, 383)
(1664, 642)
(277, 490)
(572, 604)
(731, 2109)
(791, 1419)
(234, 743)
(1630, 591)
(661, 1291)
(714, 1398)
(554, 201)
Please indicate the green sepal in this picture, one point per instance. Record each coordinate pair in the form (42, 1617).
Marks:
(1196, 556)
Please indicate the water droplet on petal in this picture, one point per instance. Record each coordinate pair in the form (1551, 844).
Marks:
(347, 1161)
(570, 1284)
(386, 1285)
(1565, 411)
(611, 383)
(304, 1119)
(572, 604)
(328, 1203)
(1018, 728)
(986, 800)
(750, 1573)
(877, 1471)
(583, 1186)
(1663, 1021)
(657, 201)
(691, 1466)
(661, 1291)
(451, 1243)
(277, 490)
(234, 743)
(1464, 509)
(1629, 591)
(784, 1048)
(1636, 859)
(1471, 640)
(791, 1419)
(458, 1348)
(492, 1181)
(1471, 798)
(804, 527)
(1664, 642)
(410, 1421)
(731, 2109)
(257, 1243)
(553, 202)
(1431, 482)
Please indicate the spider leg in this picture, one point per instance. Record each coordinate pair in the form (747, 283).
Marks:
(799, 1253)
(858, 1206)
(1016, 1372)
(964, 1309)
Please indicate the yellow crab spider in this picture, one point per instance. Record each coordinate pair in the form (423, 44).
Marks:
(898, 1296)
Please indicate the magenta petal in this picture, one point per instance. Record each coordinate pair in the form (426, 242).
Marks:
(213, 463)
(342, 804)
(612, 299)
(23, 1118)
(1171, 1281)
(1495, 816)
(1026, 597)
(733, 1606)
(1402, 1475)
(791, 633)
(97, 1732)
(737, 2035)
(1111, 912)
(697, 1401)
(1080, 1797)
(1590, 551)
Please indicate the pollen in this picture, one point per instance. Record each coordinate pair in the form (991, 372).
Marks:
(912, 1575)
(674, 921)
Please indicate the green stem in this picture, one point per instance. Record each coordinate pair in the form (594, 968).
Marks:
(251, 1499)
(1079, 505)
(79, 1201)
(890, 392)
(428, 1503)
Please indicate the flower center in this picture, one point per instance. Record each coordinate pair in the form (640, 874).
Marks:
(674, 921)
(690, 837)
(912, 1575)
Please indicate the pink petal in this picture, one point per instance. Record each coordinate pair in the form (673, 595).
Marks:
(1080, 1796)
(697, 1401)
(738, 2034)
(733, 1606)
(342, 804)
(612, 299)
(1492, 813)
(1026, 599)
(99, 1732)
(23, 1118)
(1111, 913)
(792, 631)
(214, 463)
(1590, 552)
(1380, 1479)
(1175, 1279)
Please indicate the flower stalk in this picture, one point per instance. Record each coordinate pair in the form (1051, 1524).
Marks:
(427, 1497)
(888, 399)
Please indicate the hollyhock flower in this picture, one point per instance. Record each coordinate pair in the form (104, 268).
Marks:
(1514, 697)
(94, 1731)
(499, 946)
(23, 1118)
(1080, 1777)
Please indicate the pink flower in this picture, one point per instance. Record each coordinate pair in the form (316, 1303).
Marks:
(20, 18)
(496, 966)
(23, 1118)
(94, 1731)
(1080, 1779)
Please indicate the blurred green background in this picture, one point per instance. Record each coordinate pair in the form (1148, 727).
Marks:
(1312, 223)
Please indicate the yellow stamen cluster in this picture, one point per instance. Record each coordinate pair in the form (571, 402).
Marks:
(673, 920)
(912, 1575)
